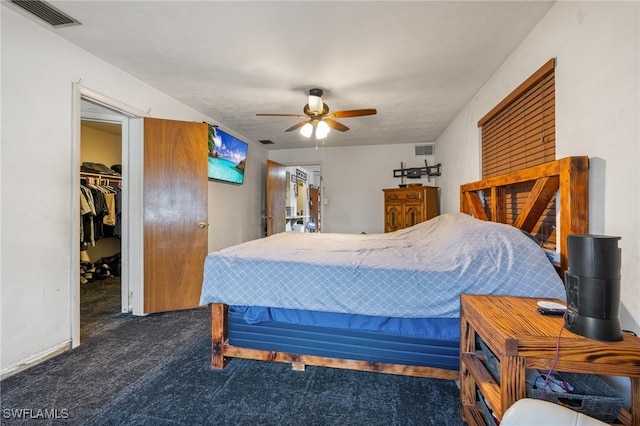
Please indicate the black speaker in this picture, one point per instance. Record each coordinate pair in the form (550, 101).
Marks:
(592, 284)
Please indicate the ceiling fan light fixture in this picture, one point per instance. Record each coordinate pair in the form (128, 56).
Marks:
(322, 130)
(315, 101)
(317, 120)
(315, 104)
(306, 130)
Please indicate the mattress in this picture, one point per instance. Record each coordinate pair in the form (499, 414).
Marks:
(432, 328)
(417, 272)
(345, 343)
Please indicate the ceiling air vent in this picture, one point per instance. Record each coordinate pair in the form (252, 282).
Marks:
(47, 13)
(428, 149)
(266, 142)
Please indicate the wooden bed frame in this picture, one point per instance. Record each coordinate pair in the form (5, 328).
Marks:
(568, 177)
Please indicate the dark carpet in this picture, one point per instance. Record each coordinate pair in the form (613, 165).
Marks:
(100, 306)
(155, 370)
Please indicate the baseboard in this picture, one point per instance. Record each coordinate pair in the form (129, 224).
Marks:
(35, 359)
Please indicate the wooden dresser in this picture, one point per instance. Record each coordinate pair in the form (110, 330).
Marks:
(404, 207)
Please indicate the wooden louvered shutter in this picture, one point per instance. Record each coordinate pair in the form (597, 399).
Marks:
(519, 133)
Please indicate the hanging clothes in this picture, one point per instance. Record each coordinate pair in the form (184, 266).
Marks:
(99, 207)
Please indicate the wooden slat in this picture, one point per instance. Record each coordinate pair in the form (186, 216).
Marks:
(527, 139)
(530, 116)
(482, 378)
(540, 110)
(574, 202)
(475, 206)
(519, 176)
(535, 78)
(531, 139)
(519, 158)
(520, 131)
(472, 414)
(512, 367)
(348, 364)
(467, 345)
(499, 204)
(624, 417)
(536, 203)
(218, 334)
(635, 403)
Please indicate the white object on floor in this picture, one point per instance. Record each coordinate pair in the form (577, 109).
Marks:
(536, 412)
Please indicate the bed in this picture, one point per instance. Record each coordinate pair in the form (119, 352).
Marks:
(390, 302)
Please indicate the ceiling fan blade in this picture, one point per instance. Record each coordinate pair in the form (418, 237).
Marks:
(281, 115)
(353, 113)
(296, 126)
(335, 125)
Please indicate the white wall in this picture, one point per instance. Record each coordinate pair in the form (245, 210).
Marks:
(235, 211)
(597, 114)
(38, 69)
(353, 180)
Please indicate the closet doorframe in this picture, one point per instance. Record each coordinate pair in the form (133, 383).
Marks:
(131, 120)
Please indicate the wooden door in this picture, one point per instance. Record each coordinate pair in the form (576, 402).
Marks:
(314, 208)
(413, 214)
(174, 213)
(393, 217)
(276, 197)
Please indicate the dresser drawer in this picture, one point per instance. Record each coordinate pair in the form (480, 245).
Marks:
(405, 194)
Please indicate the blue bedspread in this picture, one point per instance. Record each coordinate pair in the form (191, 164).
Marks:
(418, 272)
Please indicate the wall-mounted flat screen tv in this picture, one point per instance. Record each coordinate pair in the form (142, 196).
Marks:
(227, 157)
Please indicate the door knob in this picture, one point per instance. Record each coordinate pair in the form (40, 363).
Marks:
(201, 225)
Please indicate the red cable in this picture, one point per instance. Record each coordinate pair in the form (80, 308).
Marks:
(555, 360)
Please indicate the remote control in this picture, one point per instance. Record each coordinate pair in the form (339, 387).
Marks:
(550, 311)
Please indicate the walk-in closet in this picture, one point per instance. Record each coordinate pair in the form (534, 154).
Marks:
(100, 224)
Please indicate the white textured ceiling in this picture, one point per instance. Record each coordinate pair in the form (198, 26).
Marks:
(419, 62)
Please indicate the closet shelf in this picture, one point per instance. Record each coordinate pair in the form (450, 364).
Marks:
(99, 175)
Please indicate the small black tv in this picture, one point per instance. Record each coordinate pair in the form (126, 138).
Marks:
(227, 157)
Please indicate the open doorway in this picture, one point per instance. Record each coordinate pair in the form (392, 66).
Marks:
(303, 198)
(89, 105)
(102, 299)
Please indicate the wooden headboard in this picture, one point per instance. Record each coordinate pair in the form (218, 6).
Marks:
(569, 177)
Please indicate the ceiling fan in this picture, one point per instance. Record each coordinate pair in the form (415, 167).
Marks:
(317, 117)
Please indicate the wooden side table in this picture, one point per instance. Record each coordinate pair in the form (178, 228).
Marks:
(521, 338)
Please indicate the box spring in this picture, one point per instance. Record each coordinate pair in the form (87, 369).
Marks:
(343, 343)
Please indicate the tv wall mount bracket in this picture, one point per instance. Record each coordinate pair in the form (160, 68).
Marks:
(417, 172)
